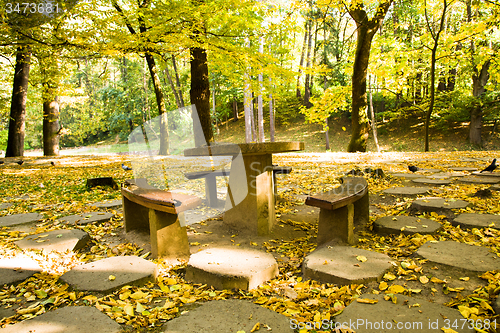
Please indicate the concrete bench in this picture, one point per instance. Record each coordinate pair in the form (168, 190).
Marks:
(161, 213)
(340, 209)
(211, 183)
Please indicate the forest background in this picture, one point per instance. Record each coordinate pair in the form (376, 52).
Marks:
(98, 69)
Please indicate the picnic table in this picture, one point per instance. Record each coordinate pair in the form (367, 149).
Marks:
(250, 199)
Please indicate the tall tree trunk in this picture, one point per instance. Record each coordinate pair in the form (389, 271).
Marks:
(479, 80)
(366, 29)
(15, 143)
(174, 90)
(146, 108)
(247, 101)
(307, 84)
(215, 111)
(301, 63)
(200, 94)
(160, 101)
(235, 110)
(51, 127)
(178, 82)
(372, 113)
(260, 106)
(271, 107)
(435, 37)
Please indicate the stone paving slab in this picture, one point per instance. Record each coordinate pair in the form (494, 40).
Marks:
(407, 225)
(495, 187)
(486, 174)
(19, 219)
(17, 268)
(433, 204)
(95, 276)
(5, 205)
(339, 264)
(56, 240)
(227, 268)
(407, 191)
(473, 220)
(480, 180)
(444, 175)
(230, 315)
(463, 169)
(413, 315)
(406, 175)
(74, 319)
(461, 255)
(107, 204)
(431, 181)
(87, 218)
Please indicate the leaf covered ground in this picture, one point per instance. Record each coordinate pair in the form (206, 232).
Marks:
(56, 191)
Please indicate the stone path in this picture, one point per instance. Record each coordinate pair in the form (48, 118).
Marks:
(229, 316)
(406, 224)
(246, 269)
(74, 319)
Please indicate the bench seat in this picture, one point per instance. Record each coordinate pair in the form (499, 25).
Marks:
(341, 209)
(160, 213)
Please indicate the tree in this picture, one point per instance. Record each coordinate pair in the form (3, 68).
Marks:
(15, 143)
(435, 32)
(366, 29)
(200, 94)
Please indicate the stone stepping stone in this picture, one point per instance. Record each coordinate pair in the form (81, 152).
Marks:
(430, 170)
(5, 205)
(438, 204)
(480, 180)
(17, 268)
(56, 240)
(463, 169)
(86, 218)
(229, 315)
(408, 225)
(486, 174)
(444, 175)
(406, 175)
(431, 181)
(407, 191)
(496, 306)
(227, 268)
(339, 264)
(74, 319)
(385, 316)
(107, 204)
(473, 220)
(96, 276)
(495, 187)
(461, 255)
(20, 219)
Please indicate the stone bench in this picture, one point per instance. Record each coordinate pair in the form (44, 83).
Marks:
(340, 209)
(160, 213)
(211, 184)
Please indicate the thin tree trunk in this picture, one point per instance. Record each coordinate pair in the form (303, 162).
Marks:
(247, 100)
(479, 80)
(301, 63)
(435, 37)
(160, 102)
(235, 110)
(178, 82)
(271, 107)
(260, 112)
(146, 95)
(15, 143)
(252, 118)
(51, 127)
(214, 110)
(372, 113)
(307, 88)
(169, 78)
(200, 94)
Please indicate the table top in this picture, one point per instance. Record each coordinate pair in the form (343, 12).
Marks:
(246, 148)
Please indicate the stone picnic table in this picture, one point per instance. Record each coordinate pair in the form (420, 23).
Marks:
(250, 199)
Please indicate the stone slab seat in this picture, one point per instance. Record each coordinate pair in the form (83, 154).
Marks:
(211, 184)
(340, 208)
(159, 212)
